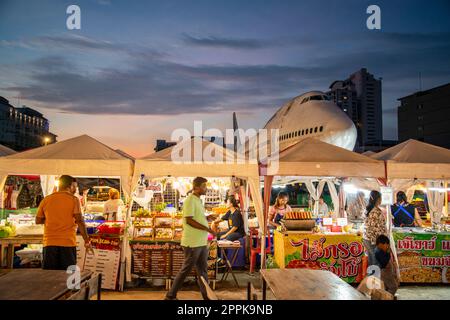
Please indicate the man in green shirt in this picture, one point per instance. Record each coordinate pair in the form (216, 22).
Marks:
(194, 239)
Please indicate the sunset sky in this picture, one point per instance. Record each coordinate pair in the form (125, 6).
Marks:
(139, 69)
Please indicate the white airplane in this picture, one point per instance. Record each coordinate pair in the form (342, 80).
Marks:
(312, 114)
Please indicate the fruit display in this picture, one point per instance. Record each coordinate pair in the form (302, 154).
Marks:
(163, 234)
(160, 206)
(162, 215)
(142, 213)
(7, 230)
(143, 222)
(116, 227)
(144, 233)
(299, 215)
(162, 222)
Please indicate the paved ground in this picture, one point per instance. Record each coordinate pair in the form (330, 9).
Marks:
(228, 291)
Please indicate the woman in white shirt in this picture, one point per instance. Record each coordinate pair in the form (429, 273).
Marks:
(111, 207)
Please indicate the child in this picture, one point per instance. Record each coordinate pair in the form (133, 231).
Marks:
(386, 264)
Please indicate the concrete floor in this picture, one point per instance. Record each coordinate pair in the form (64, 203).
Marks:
(227, 290)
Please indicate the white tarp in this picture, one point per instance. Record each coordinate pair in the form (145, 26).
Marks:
(436, 200)
(5, 151)
(198, 157)
(312, 157)
(414, 159)
(79, 156)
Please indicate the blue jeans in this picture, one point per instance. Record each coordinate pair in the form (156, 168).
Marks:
(370, 249)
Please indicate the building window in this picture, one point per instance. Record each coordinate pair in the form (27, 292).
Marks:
(420, 118)
(420, 106)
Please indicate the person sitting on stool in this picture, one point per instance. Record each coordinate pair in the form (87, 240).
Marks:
(235, 222)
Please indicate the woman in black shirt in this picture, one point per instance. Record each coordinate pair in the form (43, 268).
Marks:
(235, 222)
(404, 213)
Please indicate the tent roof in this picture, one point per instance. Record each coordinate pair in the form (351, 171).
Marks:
(413, 151)
(82, 147)
(80, 156)
(312, 157)
(195, 157)
(414, 159)
(208, 148)
(5, 151)
(368, 153)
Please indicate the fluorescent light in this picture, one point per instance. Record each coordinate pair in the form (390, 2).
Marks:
(438, 189)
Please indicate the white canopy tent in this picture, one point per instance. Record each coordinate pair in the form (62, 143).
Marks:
(312, 158)
(198, 157)
(414, 159)
(5, 151)
(413, 162)
(79, 156)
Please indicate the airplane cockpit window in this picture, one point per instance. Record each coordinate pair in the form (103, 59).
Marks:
(319, 97)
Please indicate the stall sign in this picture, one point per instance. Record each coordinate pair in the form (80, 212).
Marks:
(423, 257)
(155, 187)
(342, 222)
(340, 254)
(387, 196)
(327, 221)
(105, 243)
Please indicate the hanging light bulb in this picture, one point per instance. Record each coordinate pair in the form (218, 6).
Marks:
(215, 186)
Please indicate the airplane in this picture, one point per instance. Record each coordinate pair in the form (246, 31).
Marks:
(311, 114)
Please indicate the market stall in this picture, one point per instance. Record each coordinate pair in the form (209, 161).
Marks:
(175, 167)
(81, 156)
(305, 241)
(422, 253)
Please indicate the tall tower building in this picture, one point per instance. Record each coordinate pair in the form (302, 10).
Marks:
(360, 97)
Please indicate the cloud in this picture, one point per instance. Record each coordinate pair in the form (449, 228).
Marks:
(81, 43)
(149, 83)
(223, 42)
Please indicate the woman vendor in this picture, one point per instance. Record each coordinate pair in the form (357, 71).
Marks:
(279, 209)
(235, 222)
(111, 208)
(405, 214)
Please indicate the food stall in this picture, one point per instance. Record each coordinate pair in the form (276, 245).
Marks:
(196, 157)
(304, 241)
(81, 156)
(423, 254)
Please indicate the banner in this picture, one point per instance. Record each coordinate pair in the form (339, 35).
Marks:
(423, 257)
(340, 254)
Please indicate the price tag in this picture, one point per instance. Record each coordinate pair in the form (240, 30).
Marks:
(342, 222)
(327, 221)
(387, 196)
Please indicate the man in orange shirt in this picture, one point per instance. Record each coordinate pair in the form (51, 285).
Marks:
(60, 213)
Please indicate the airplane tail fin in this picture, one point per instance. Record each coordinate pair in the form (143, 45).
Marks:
(235, 129)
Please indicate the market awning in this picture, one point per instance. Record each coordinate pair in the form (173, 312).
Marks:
(79, 156)
(312, 157)
(5, 151)
(414, 159)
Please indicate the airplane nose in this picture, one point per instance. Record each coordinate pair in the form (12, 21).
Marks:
(341, 131)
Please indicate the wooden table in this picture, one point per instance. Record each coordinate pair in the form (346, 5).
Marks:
(229, 262)
(9, 243)
(307, 284)
(35, 284)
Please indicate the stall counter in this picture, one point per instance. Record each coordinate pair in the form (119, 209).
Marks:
(340, 253)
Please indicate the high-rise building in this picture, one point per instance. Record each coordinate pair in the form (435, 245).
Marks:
(425, 116)
(360, 97)
(23, 128)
